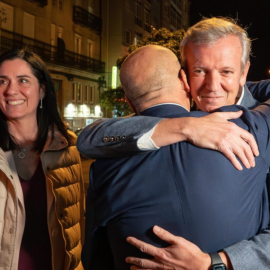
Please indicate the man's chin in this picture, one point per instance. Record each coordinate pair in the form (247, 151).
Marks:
(210, 108)
(210, 105)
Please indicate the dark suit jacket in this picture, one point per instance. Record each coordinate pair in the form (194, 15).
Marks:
(192, 192)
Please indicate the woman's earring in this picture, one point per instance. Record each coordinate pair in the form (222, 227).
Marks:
(41, 104)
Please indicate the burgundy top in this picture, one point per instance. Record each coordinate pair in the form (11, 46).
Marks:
(35, 252)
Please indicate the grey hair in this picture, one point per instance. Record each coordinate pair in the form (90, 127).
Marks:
(209, 30)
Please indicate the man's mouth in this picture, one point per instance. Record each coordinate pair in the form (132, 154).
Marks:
(210, 99)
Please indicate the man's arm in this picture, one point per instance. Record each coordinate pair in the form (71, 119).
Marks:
(251, 254)
(181, 254)
(119, 137)
(115, 137)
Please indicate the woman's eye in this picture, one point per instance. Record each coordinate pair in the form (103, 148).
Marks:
(3, 82)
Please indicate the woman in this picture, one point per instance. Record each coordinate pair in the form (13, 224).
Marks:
(41, 185)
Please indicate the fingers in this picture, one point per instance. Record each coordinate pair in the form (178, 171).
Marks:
(235, 146)
(251, 142)
(165, 235)
(237, 142)
(139, 263)
(246, 136)
(144, 247)
(250, 149)
(227, 152)
(245, 155)
(150, 249)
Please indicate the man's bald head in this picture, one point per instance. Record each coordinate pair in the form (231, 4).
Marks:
(149, 73)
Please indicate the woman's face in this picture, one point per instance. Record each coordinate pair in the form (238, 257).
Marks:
(20, 91)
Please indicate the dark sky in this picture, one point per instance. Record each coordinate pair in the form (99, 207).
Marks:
(253, 14)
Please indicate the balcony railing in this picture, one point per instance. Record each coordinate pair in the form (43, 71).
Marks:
(86, 19)
(50, 53)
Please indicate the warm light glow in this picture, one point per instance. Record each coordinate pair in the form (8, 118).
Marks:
(85, 109)
(70, 109)
(97, 110)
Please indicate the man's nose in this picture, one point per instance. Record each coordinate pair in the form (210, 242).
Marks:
(212, 81)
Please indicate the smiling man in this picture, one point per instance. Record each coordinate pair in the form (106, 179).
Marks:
(216, 77)
(215, 54)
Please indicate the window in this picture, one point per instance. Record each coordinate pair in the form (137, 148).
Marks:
(90, 9)
(127, 37)
(89, 94)
(28, 25)
(61, 4)
(178, 3)
(147, 21)
(92, 95)
(79, 93)
(175, 18)
(7, 22)
(138, 15)
(52, 34)
(167, 10)
(78, 44)
(89, 48)
(73, 94)
(86, 94)
(137, 38)
(60, 32)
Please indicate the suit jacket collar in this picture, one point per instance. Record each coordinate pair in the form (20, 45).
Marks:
(248, 101)
(165, 110)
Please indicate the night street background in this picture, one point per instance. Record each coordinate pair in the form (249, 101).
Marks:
(253, 14)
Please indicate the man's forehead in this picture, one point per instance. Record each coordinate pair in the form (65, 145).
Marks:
(226, 51)
(230, 40)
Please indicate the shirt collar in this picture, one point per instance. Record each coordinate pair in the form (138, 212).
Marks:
(241, 97)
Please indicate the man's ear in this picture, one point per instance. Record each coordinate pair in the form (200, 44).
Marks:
(130, 104)
(183, 78)
(42, 91)
(243, 78)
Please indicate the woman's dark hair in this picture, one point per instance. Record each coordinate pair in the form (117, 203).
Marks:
(48, 117)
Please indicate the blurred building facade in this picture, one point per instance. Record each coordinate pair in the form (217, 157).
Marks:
(67, 36)
(81, 40)
(128, 21)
